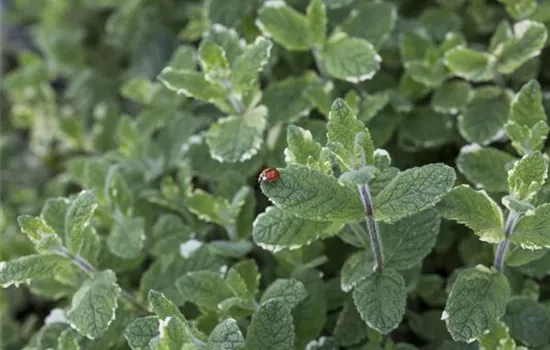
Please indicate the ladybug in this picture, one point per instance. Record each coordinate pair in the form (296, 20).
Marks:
(269, 175)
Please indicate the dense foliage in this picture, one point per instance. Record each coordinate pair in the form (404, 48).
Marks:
(409, 208)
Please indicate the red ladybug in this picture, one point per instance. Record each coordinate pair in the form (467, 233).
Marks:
(269, 175)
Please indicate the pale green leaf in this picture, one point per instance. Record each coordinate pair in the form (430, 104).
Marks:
(68, 340)
(310, 194)
(226, 336)
(139, 333)
(317, 23)
(381, 300)
(529, 321)
(279, 21)
(380, 16)
(77, 218)
(406, 242)
(477, 301)
(414, 190)
(39, 232)
(485, 167)
(533, 230)
(301, 146)
(271, 328)
(483, 119)
(227, 39)
(528, 176)
(426, 128)
(451, 97)
(429, 74)
(227, 13)
(204, 288)
(350, 59)
(526, 108)
(250, 62)
(249, 272)
(528, 40)
(520, 9)
(210, 208)
(498, 338)
(290, 291)
(276, 229)
(291, 90)
(476, 210)
(53, 213)
(183, 58)
(237, 138)
(525, 139)
(356, 268)
(127, 238)
(414, 44)
(25, 268)
(470, 64)
(350, 329)
(213, 62)
(320, 95)
(172, 335)
(94, 304)
(372, 104)
(163, 307)
(310, 315)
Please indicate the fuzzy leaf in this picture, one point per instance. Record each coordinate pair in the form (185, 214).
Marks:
(204, 288)
(310, 194)
(271, 328)
(532, 230)
(317, 23)
(406, 242)
(77, 218)
(172, 335)
(25, 268)
(476, 210)
(237, 138)
(414, 190)
(356, 268)
(276, 229)
(526, 108)
(452, 97)
(213, 62)
(484, 167)
(281, 22)
(251, 61)
(291, 90)
(226, 336)
(53, 213)
(520, 9)
(350, 329)
(381, 300)
(477, 301)
(39, 232)
(301, 146)
(163, 307)
(210, 208)
(528, 176)
(529, 321)
(484, 118)
(127, 238)
(94, 304)
(381, 18)
(350, 59)
(290, 291)
(191, 84)
(227, 39)
(68, 340)
(140, 332)
(470, 64)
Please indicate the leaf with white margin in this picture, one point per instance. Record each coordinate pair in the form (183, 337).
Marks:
(127, 238)
(356, 268)
(276, 229)
(249, 63)
(381, 18)
(226, 336)
(290, 291)
(476, 303)
(470, 64)
(277, 20)
(533, 230)
(94, 304)
(23, 269)
(272, 327)
(476, 210)
(350, 59)
(77, 218)
(237, 138)
(451, 97)
(528, 176)
(139, 333)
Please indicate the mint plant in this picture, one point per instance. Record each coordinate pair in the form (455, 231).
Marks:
(278, 175)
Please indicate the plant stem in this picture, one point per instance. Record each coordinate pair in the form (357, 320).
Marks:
(502, 247)
(372, 226)
(89, 269)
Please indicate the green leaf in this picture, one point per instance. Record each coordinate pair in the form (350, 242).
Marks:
(520, 9)
(77, 218)
(408, 241)
(531, 231)
(204, 288)
(476, 210)
(213, 62)
(425, 128)
(451, 97)
(526, 108)
(477, 301)
(271, 328)
(227, 39)
(528, 40)
(230, 14)
(290, 291)
(237, 138)
(529, 321)
(317, 23)
(291, 90)
(350, 329)
(356, 268)
(141, 331)
(310, 194)
(192, 84)
(53, 213)
(381, 18)
(429, 74)
(127, 238)
(524, 139)
(381, 299)
(210, 208)
(528, 176)
(484, 118)
(310, 315)
(226, 336)
(25, 268)
(183, 58)
(39, 232)
(248, 270)
(414, 190)
(485, 167)
(343, 128)
(470, 64)
(251, 61)
(94, 304)
(281, 22)
(276, 229)
(350, 59)
(372, 104)
(430, 290)
(172, 335)
(68, 340)
(301, 146)
(163, 307)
